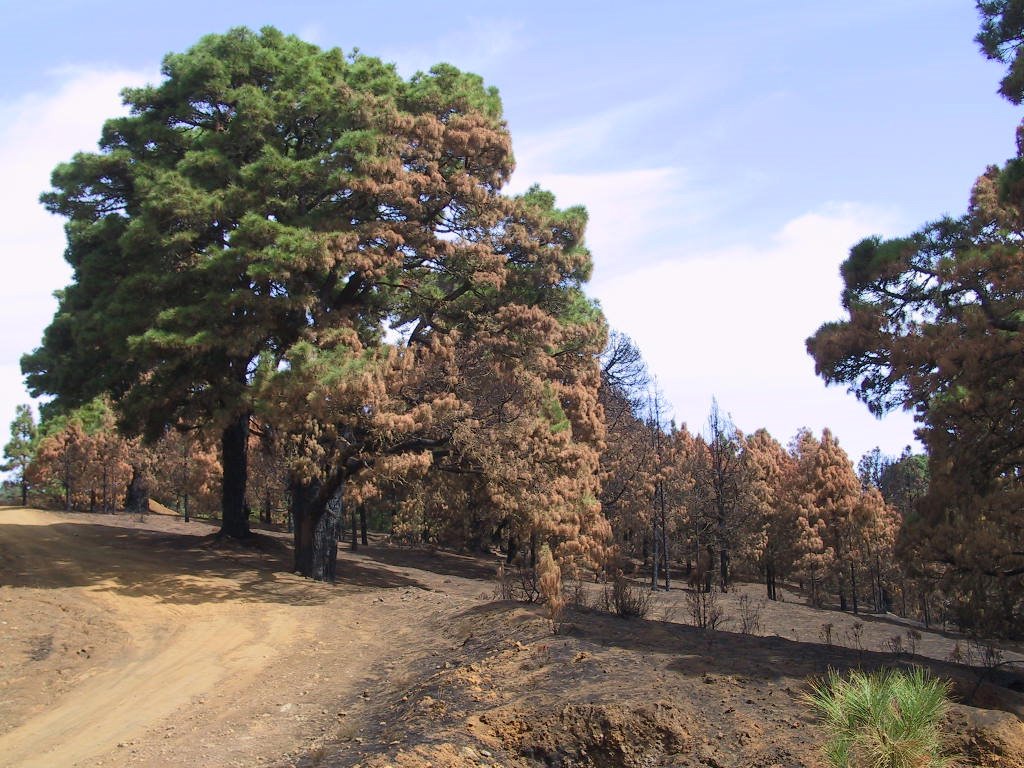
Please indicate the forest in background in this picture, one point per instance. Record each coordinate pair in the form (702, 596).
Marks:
(300, 294)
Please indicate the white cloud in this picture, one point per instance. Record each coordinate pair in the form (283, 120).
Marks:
(474, 47)
(37, 132)
(731, 323)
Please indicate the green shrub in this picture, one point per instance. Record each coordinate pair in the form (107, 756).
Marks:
(885, 719)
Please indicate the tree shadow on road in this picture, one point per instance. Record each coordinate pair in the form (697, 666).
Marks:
(173, 567)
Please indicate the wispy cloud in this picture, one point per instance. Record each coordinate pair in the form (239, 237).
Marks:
(475, 46)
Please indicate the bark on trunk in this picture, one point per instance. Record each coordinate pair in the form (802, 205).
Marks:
(355, 535)
(853, 587)
(234, 455)
(317, 523)
(362, 524)
(137, 499)
(303, 498)
(656, 562)
(24, 493)
(325, 538)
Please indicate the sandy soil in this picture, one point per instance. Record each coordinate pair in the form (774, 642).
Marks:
(143, 644)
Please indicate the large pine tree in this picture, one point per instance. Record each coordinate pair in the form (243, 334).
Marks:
(278, 215)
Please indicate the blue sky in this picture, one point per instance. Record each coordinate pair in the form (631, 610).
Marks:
(729, 159)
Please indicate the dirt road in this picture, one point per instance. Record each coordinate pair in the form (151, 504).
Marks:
(120, 644)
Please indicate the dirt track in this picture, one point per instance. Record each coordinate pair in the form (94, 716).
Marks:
(173, 654)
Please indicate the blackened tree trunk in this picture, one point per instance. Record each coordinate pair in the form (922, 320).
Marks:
(318, 524)
(137, 498)
(853, 587)
(234, 455)
(362, 524)
(355, 533)
(24, 493)
(656, 561)
(325, 537)
(724, 568)
(664, 536)
(303, 501)
(67, 480)
(769, 579)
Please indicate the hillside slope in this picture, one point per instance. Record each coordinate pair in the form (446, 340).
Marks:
(148, 644)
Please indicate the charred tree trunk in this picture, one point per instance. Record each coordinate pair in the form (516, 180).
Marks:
(656, 560)
(664, 537)
(853, 587)
(318, 523)
(325, 538)
(362, 524)
(724, 568)
(234, 456)
(355, 536)
(67, 481)
(24, 493)
(303, 500)
(137, 498)
(513, 546)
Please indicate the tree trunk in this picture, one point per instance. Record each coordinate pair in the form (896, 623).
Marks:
(724, 569)
(137, 498)
(67, 482)
(362, 524)
(303, 498)
(234, 454)
(853, 587)
(325, 538)
(664, 538)
(656, 561)
(24, 493)
(317, 523)
(355, 536)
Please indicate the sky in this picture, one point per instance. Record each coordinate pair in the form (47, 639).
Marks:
(728, 158)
